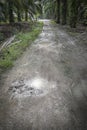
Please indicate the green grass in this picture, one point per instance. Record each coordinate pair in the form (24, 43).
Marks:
(53, 22)
(10, 54)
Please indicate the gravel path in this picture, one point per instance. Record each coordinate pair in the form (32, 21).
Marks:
(47, 87)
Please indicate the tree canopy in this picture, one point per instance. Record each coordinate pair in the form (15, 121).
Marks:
(10, 9)
(63, 11)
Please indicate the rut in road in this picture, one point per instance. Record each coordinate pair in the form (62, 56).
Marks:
(37, 94)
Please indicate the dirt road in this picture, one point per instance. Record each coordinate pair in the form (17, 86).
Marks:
(47, 87)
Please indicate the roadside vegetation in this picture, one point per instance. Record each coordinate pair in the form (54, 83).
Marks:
(12, 52)
(18, 18)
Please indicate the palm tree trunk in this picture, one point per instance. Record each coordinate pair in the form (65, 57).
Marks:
(26, 15)
(18, 15)
(73, 13)
(58, 11)
(11, 15)
(64, 11)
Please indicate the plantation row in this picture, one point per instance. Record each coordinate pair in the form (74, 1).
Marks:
(18, 10)
(67, 11)
(63, 11)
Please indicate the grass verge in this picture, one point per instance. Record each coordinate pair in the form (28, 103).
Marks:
(11, 53)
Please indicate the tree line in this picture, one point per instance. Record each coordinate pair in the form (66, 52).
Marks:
(17, 10)
(63, 11)
(67, 11)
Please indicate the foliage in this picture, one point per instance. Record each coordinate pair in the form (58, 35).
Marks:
(50, 8)
(63, 11)
(66, 11)
(19, 8)
(12, 52)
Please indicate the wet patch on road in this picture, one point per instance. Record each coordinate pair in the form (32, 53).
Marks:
(32, 87)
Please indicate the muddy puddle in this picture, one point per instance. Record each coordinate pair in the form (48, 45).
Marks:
(32, 87)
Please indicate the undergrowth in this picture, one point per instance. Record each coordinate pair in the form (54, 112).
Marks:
(10, 54)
